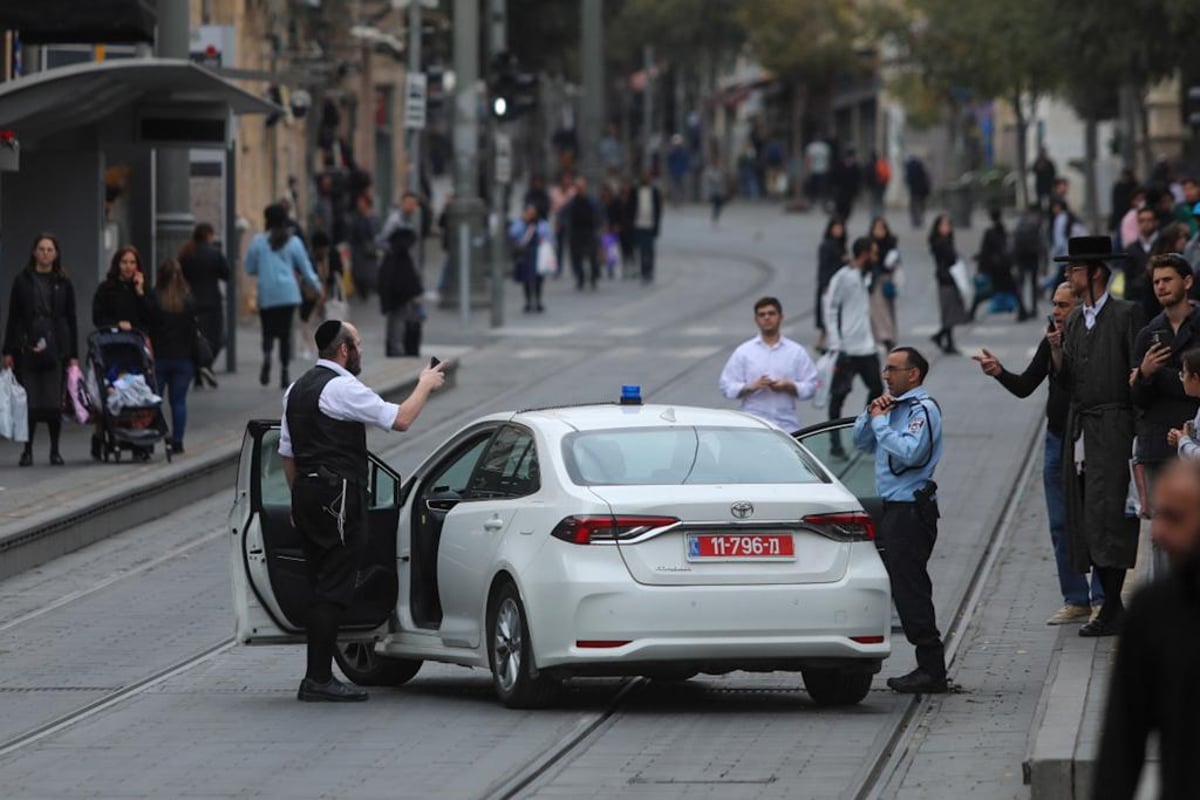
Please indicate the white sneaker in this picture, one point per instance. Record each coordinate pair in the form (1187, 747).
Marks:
(1070, 613)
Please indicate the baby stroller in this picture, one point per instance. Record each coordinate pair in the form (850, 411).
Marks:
(121, 384)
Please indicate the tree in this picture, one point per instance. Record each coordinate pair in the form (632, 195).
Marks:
(806, 44)
(984, 50)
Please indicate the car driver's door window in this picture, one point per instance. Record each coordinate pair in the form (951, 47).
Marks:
(509, 469)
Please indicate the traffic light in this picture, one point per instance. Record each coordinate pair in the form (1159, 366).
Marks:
(511, 92)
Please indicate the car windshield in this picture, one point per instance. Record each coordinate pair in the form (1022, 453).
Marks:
(681, 455)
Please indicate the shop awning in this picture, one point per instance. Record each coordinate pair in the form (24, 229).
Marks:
(175, 91)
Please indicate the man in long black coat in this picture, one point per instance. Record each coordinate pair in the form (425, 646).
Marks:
(1096, 363)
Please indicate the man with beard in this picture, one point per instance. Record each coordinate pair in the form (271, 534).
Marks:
(1153, 684)
(323, 445)
(1157, 389)
(1095, 365)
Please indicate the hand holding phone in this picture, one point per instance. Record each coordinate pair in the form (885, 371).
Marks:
(434, 361)
(1051, 323)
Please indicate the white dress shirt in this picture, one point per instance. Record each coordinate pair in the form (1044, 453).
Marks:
(784, 359)
(1090, 312)
(848, 313)
(344, 398)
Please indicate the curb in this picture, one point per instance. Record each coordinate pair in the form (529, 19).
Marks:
(62, 531)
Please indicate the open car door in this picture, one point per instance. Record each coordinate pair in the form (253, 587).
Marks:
(833, 445)
(267, 566)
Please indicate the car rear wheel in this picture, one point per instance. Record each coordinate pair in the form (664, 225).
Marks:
(836, 687)
(510, 653)
(362, 665)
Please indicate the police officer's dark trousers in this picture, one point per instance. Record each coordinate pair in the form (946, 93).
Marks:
(906, 537)
(330, 514)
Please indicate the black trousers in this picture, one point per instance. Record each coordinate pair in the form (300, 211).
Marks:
(905, 538)
(865, 367)
(584, 250)
(277, 324)
(331, 518)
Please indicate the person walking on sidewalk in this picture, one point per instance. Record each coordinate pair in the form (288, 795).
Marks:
(647, 219)
(400, 293)
(526, 235)
(950, 301)
(1077, 606)
(323, 445)
(204, 268)
(995, 261)
(41, 339)
(885, 260)
(1029, 253)
(848, 317)
(1095, 365)
(916, 178)
(903, 430)
(279, 261)
(1158, 391)
(1152, 688)
(174, 334)
(770, 372)
(583, 222)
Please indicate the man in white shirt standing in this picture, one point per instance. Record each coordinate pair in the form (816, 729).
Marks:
(323, 446)
(770, 372)
(848, 331)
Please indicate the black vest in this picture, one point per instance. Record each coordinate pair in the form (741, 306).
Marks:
(322, 441)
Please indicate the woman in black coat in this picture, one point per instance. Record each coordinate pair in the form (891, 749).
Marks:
(400, 293)
(121, 300)
(831, 255)
(41, 338)
(995, 261)
(174, 330)
(204, 268)
(950, 301)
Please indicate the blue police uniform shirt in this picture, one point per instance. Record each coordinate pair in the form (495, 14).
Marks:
(907, 440)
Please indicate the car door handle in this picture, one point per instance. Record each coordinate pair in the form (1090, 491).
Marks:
(494, 524)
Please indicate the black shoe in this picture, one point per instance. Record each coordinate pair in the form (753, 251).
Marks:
(26, 459)
(951, 351)
(937, 339)
(284, 383)
(97, 448)
(540, 308)
(918, 682)
(332, 692)
(56, 459)
(176, 447)
(528, 309)
(1101, 626)
(264, 375)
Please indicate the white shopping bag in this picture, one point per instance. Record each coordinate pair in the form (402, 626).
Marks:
(14, 408)
(962, 279)
(335, 304)
(547, 263)
(825, 368)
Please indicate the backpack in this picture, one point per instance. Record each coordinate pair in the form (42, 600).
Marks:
(883, 172)
(1027, 238)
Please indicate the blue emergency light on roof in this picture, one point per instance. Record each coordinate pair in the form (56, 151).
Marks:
(631, 395)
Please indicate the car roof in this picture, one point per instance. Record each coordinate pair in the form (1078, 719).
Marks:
(611, 415)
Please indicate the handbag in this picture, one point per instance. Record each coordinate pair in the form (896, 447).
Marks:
(335, 302)
(14, 408)
(77, 404)
(826, 365)
(958, 271)
(202, 352)
(547, 263)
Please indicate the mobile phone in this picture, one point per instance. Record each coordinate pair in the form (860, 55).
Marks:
(434, 361)
(1050, 323)
(1156, 338)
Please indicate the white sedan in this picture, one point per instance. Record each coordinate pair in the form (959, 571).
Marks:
(650, 540)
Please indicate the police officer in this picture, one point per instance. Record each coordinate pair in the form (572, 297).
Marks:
(323, 444)
(903, 428)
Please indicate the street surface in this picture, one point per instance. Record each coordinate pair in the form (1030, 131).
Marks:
(130, 614)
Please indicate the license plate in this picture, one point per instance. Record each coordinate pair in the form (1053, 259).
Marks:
(740, 547)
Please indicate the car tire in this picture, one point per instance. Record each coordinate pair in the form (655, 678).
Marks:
(836, 687)
(510, 654)
(359, 662)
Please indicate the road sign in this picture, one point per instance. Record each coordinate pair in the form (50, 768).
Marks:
(415, 91)
(502, 143)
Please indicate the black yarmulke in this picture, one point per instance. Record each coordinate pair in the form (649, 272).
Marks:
(328, 330)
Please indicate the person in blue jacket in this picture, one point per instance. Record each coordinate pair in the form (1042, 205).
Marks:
(526, 235)
(278, 259)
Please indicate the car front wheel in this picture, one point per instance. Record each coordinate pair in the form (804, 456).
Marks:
(510, 653)
(362, 665)
(836, 687)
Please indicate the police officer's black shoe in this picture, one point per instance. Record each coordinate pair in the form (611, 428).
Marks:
(1102, 626)
(332, 692)
(918, 682)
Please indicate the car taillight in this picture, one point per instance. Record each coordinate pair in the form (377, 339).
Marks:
(607, 529)
(853, 526)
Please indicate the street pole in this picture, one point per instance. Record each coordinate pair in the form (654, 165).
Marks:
(591, 127)
(173, 219)
(414, 66)
(498, 43)
(647, 106)
(467, 210)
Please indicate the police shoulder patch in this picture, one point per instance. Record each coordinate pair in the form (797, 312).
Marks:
(916, 423)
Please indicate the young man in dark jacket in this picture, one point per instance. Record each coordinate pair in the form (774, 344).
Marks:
(1157, 389)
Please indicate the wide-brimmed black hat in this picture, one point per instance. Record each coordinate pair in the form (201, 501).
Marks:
(1090, 248)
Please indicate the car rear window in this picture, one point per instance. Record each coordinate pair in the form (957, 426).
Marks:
(681, 455)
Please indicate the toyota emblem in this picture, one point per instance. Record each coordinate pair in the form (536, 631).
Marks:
(742, 510)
